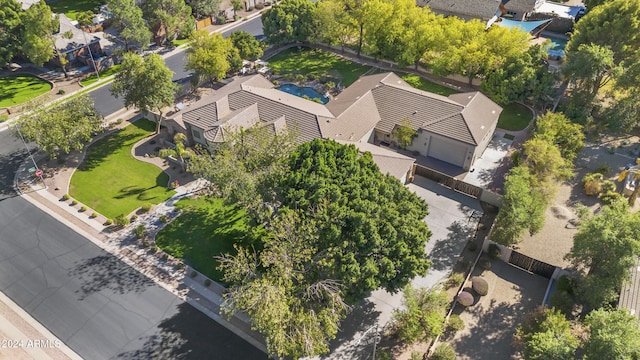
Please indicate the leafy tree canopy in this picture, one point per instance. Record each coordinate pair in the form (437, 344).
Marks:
(127, 18)
(557, 129)
(174, 16)
(37, 41)
(289, 21)
(146, 84)
(614, 334)
(204, 8)
(546, 335)
(11, 29)
(605, 247)
(423, 317)
(211, 55)
(62, 128)
(248, 46)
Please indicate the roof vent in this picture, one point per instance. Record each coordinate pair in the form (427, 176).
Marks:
(493, 111)
(415, 112)
(482, 127)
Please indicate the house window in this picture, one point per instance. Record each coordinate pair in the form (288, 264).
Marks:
(196, 134)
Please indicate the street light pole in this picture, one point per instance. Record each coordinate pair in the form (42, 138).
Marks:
(90, 54)
(31, 156)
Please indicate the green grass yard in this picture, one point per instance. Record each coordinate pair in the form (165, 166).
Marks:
(17, 89)
(426, 85)
(514, 117)
(207, 228)
(103, 74)
(71, 8)
(112, 182)
(316, 63)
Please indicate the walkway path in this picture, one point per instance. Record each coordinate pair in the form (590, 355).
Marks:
(166, 271)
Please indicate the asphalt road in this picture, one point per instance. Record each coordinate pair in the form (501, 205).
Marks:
(107, 104)
(95, 303)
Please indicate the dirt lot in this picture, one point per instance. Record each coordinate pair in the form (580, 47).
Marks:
(492, 321)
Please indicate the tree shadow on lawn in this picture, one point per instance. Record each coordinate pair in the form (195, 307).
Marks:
(446, 251)
(108, 272)
(189, 334)
(111, 143)
(145, 194)
(200, 234)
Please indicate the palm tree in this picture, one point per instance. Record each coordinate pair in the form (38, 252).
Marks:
(181, 152)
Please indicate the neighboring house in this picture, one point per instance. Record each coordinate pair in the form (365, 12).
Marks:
(520, 9)
(454, 129)
(27, 3)
(71, 42)
(485, 10)
(630, 294)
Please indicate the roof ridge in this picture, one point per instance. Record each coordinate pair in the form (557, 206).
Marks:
(464, 121)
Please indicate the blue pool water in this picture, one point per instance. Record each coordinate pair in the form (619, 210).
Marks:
(557, 46)
(301, 91)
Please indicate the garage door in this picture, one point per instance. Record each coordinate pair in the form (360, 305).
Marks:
(448, 151)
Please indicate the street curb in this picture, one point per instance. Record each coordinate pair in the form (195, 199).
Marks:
(30, 320)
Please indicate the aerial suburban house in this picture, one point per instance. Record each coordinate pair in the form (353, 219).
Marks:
(486, 10)
(454, 129)
(72, 42)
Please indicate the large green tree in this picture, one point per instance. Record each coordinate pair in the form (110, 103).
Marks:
(211, 55)
(204, 8)
(146, 84)
(339, 229)
(248, 46)
(289, 21)
(337, 26)
(423, 315)
(605, 248)
(523, 77)
(127, 18)
(39, 23)
(557, 129)
(174, 16)
(614, 334)
(546, 335)
(522, 208)
(62, 128)
(11, 29)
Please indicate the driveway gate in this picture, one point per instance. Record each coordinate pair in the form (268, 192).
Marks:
(532, 265)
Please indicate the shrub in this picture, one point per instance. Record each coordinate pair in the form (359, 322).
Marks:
(119, 121)
(83, 209)
(611, 197)
(454, 324)
(140, 231)
(221, 20)
(472, 246)
(516, 157)
(250, 8)
(465, 299)
(108, 222)
(603, 169)
(133, 218)
(94, 214)
(145, 244)
(3, 118)
(154, 249)
(61, 92)
(146, 207)
(444, 351)
(193, 273)
(74, 202)
(592, 183)
(163, 219)
(66, 197)
(608, 186)
(567, 283)
(180, 266)
(165, 256)
(562, 301)
(480, 286)
(455, 280)
(259, 6)
(300, 78)
(207, 282)
(121, 220)
(416, 355)
(494, 251)
(484, 263)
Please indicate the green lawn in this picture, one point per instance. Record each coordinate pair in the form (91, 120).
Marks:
(179, 42)
(515, 117)
(207, 228)
(112, 182)
(72, 8)
(17, 89)
(103, 74)
(317, 63)
(421, 83)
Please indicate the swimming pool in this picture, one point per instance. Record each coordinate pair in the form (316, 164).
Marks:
(302, 91)
(557, 46)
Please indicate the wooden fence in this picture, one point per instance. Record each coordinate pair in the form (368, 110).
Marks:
(449, 181)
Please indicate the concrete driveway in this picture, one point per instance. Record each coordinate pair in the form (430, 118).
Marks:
(452, 219)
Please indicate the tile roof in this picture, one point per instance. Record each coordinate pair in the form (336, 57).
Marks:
(389, 162)
(479, 9)
(523, 6)
(480, 113)
(353, 123)
(78, 37)
(630, 294)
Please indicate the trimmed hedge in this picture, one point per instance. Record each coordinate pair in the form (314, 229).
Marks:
(480, 286)
(465, 299)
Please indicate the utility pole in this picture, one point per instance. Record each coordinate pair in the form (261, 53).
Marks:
(90, 54)
(38, 171)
